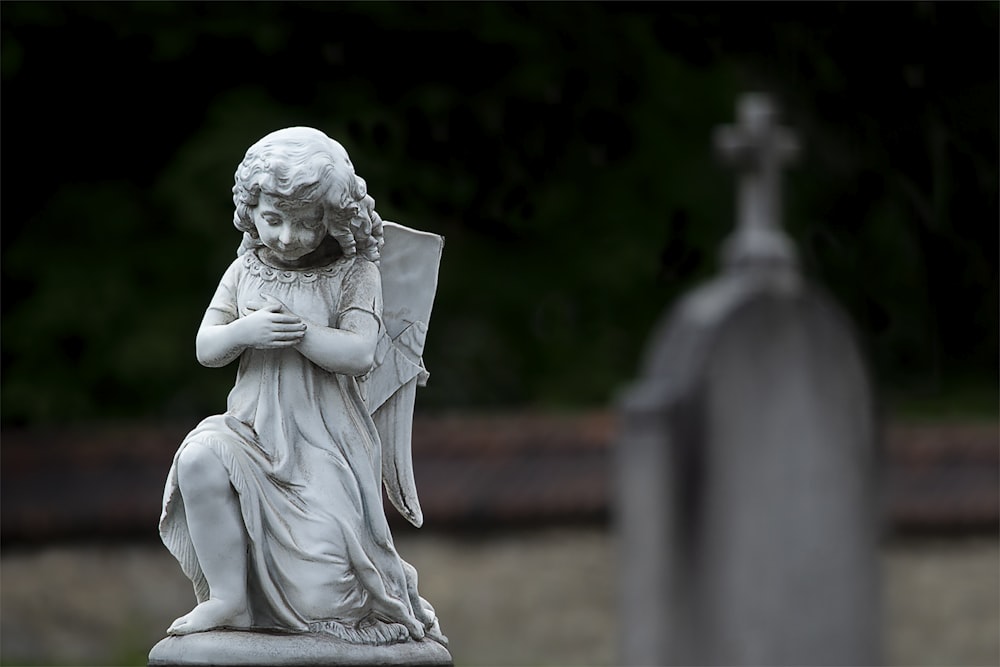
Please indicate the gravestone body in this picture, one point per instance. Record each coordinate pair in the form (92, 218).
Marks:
(746, 468)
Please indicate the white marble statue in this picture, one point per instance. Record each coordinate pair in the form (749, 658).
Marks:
(274, 508)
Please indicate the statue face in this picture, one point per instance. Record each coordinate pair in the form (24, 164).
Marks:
(289, 230)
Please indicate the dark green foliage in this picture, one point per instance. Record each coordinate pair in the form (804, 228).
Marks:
(562, 149)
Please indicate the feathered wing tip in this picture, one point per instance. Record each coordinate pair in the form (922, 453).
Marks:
(394, 423)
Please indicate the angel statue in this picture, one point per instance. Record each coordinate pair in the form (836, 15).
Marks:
(274, 508)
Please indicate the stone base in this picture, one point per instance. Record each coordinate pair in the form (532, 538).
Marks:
(225, 648)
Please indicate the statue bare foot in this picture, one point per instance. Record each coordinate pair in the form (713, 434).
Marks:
(210, 614)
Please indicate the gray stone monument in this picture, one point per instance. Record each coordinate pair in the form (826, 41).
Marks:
(273, 508)
(747, 509)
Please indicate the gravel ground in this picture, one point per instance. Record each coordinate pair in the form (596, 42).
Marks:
(527, 598)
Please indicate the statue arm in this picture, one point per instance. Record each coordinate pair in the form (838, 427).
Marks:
(222, 338)
(224, 334)
(348, 349)
(346, 344)
(218, 342)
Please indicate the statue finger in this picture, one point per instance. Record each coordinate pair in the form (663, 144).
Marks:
(285, 318)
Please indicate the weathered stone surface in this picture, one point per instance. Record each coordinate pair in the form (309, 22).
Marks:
(223, 648)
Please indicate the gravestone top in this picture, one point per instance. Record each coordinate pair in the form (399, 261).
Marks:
(757, 147)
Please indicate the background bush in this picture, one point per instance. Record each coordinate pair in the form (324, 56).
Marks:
(563, 150)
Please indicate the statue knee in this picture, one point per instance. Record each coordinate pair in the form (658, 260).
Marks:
(200, 471)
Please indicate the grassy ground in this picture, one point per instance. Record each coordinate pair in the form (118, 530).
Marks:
(520, 598)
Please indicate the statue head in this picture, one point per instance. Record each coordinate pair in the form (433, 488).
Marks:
(301, 166)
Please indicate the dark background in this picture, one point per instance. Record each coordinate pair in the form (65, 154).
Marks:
(563, 150)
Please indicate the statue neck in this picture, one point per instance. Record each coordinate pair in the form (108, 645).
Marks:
(328, 252)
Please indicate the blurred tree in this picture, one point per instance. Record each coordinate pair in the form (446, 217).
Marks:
(563, 150)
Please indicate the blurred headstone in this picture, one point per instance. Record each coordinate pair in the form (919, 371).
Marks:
(747, 509)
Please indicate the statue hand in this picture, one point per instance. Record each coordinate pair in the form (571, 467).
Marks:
(271, 325)
(265, 301)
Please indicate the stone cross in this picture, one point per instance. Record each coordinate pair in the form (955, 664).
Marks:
(758, 148)
(746, 514)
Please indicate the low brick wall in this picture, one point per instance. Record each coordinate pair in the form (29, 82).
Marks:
(472, 471)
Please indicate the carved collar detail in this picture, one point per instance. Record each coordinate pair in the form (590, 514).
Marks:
(257, 267)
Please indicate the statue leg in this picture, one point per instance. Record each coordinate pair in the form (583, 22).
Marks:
(219, 538)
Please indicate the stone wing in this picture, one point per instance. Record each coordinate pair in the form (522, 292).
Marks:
(409, 267)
